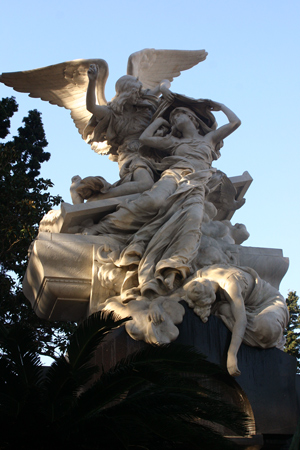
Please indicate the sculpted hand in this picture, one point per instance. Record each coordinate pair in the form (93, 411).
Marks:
(167, 94)
(232, 366)
(160, 121)
(93, 72)
(214, 106)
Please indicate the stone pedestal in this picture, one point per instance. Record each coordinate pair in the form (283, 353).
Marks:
(265, 390)
(61, 280)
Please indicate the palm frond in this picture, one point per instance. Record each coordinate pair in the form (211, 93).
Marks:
(149, 384)
(20, 355)
(68, 375)
(158, 397)
(88, 336)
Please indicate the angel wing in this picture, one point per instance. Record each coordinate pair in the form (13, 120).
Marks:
(152, 66)
(66, 84)
(63, 84)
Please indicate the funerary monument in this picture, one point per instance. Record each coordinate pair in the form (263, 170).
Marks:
(159, 244)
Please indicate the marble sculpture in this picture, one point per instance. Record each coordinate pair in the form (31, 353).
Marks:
(162, 233)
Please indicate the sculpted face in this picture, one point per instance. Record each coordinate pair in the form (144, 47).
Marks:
(128, 91)
(128, 83)
(179, 119)
(195, 291)
(200, 296)
(182, 116)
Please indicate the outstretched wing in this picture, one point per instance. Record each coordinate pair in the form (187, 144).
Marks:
(63, 85)
(152, 66)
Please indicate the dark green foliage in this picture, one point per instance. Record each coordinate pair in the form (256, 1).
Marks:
(23, 202)
(292, 331)
(8, 107)
(24, 197)
(149, 400)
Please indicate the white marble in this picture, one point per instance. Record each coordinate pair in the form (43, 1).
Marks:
(254, 311)
(137, 245)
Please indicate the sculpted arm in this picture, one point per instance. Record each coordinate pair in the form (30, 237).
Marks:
(163, 88)
(99, 111)
(76, 198)
(222, 132)
(141, 182)
(237, 306)
(159, 142)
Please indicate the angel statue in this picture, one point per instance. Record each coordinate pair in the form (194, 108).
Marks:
(111, 128)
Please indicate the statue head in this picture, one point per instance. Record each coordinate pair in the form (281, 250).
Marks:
(182, 110)
(200, 295)
(127, 83)
(90, 186)
(128, 90)
(237, 232)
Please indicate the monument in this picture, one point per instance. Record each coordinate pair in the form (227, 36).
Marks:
(159, 245)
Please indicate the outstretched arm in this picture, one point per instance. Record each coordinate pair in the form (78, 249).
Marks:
(237, 306)
(99, 111)
(222, 132)
(163, 88)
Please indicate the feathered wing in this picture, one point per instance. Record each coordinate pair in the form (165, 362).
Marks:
(63, 84)
(152, 66)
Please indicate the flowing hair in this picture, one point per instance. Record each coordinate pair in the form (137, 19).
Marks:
(202, 305)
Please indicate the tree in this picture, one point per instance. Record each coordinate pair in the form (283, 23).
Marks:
(145, 401)
(292, 332)
(24, 199)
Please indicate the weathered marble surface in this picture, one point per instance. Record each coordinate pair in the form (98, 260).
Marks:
(67, 279)
(137, 245)
(253, 310)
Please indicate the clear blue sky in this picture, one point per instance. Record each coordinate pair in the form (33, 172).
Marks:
(252, 66)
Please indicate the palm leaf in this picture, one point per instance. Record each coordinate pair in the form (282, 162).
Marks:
(21, 369)
(88, 336)
(68, 375)
(148, 387)
(150, 399)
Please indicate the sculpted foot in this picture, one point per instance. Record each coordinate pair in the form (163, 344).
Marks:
(169, 280)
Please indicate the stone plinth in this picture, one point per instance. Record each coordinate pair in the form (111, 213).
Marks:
(266, 388)
(61, 280)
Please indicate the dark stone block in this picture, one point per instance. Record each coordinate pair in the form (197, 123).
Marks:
(268, 375)
(268, 379)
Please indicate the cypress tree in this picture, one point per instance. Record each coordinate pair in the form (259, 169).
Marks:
(292, 333)
(24, 199)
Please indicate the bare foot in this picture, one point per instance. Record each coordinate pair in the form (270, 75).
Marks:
(169, 280)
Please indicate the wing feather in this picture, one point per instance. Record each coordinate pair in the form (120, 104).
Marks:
(63, 84)
(152, 66)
